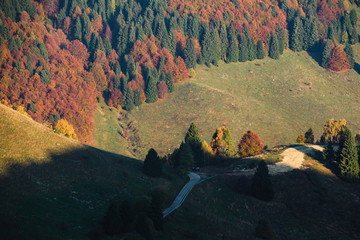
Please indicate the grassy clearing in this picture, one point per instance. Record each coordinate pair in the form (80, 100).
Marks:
(53, 187)
(278, 99)
(107, 131)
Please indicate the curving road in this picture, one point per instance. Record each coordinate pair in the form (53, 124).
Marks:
(194, 179)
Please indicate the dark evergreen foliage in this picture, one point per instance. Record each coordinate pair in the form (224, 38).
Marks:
(260, 50)
(233, 51)
(169, 81)
(274, 47)
(328, 153)
(261, 186)
(184, 159)
(350, 54)
(152, 164)
(193, 138)
(348, 161)
(128, 100)
(137, 101)
(309, 136)
(326, 53)
(297, 35)
(190, 55)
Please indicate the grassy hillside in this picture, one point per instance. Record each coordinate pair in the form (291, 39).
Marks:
(278, 99)
(53, 187)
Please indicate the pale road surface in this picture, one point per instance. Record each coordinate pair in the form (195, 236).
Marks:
(194, 179)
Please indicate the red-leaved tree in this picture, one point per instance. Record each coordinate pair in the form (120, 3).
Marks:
(338, 61)
(250, 144)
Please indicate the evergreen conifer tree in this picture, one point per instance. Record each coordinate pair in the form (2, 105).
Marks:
(137, 101)
(108, 47)
(309, 136)
(260, 50)
(297, 34)
(190, 55)
(77, 29)
(223, 39)
(184, 159)
(192, 137)
(261, 186)
(350, 54)
(328, 153)
(169, 81)
(152, 164)
(128, 100)
(274, 47)
(215, 46)
(206, 47)
(151, 89)
(233, 51)
(162, 34)
(326, 53)
(243, 49)
(348, 162)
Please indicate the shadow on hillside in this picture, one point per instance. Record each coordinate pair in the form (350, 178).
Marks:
(64, 196)
(357, 67)
(316, 55)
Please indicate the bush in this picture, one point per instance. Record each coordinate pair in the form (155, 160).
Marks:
(261, 186)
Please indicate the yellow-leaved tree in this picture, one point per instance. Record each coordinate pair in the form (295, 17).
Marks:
(333, 129)
(64, 127)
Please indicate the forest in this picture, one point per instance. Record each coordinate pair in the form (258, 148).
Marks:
(59, 58)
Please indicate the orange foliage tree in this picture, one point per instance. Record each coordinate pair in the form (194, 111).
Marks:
(250, 144)
(338, 61)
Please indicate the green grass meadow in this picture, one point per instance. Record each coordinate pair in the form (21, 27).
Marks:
(278, 99)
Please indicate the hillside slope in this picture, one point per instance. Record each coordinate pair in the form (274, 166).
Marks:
(53, 187)
(277, 99)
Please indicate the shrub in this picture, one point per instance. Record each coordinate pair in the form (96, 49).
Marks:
(250, 144)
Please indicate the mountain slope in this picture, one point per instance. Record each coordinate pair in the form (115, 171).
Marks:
(53, 187)
(277, 99)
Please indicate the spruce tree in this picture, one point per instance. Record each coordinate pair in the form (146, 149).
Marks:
(261, 186)
(348, 162)
(108, 47)
(328, 153)
(260, 50)
(274, 47)
(77, 29)
(313, 35)
(169, 81)
(296, 35)
(281, 35)
(152, 164)
(151, 89)
(215, 46)
(353, 17)
(309, 136)
(137, 101)
(192, 137)
(184, 160)
(206, 48)
(162, 34)
(243, 49)
(326, 53)
(350, 54)
(190, 54)
(233, 51)
(223, 39)
(128, 100)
